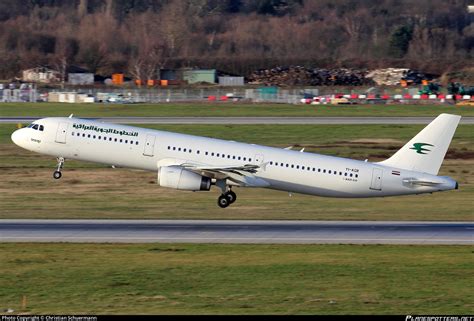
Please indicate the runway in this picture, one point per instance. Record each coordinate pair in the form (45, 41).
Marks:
(255, 120)
(227, 231)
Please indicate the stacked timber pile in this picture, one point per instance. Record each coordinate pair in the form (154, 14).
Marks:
(387, 76)
(393, 76)
(281, 76)
(339, 77)
(302, 76)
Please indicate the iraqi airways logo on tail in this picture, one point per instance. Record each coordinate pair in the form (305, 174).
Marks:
(419, 147)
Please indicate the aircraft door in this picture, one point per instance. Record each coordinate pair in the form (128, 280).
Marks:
(61, 133)
(377, 175)
(149, 145)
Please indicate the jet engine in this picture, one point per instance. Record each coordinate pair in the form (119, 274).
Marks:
(179, 178)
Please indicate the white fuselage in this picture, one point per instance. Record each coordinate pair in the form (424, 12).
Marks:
(282, 169)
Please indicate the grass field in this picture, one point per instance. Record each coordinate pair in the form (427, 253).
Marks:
(94, 191)
(236, 279)
(233, 279)
(227, 109)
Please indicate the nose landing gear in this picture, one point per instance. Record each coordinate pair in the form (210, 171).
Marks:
(57, 174)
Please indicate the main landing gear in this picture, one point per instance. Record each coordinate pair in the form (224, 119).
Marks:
(226, 199)
(57, 174)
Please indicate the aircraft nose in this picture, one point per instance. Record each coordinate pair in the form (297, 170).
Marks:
(17, 137)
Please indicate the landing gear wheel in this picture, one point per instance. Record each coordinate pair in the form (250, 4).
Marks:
(223, 201)
(57, 174)
(231, 197)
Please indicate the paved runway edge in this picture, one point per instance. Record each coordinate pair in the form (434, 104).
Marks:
(230, 231)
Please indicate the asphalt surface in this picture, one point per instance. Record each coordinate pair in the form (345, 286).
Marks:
(254, 120)
(223, 231)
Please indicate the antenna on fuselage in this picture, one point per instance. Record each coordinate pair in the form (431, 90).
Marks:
(70, 116)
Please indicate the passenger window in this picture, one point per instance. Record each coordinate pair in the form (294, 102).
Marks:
(131, 142)
(184, 150)
(250, 159)
(110, 139)
(115, 140)
(126, 141)
(330, 172)
(292, 166)
(240, 158)
(190, 151)
(136, 143)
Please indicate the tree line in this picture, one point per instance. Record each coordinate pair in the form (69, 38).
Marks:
(236, 36)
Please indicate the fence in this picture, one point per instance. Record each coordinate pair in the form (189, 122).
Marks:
(18, 95)
(190, 95)
(264, 94)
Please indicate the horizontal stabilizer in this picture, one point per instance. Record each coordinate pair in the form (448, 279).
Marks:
(420, 182)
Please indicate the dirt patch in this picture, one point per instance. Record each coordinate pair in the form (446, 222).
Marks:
(460, 154)
(375, 141)
(366, 145)
(454, 154)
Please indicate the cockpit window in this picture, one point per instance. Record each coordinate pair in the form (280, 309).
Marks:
(41, 128)
(30, 125)
(35, 127)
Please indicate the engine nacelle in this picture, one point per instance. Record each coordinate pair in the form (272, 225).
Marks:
(178, 178)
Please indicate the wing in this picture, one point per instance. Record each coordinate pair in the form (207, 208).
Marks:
(240, 175)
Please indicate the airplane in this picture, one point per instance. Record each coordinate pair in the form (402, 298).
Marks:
(195, 163)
